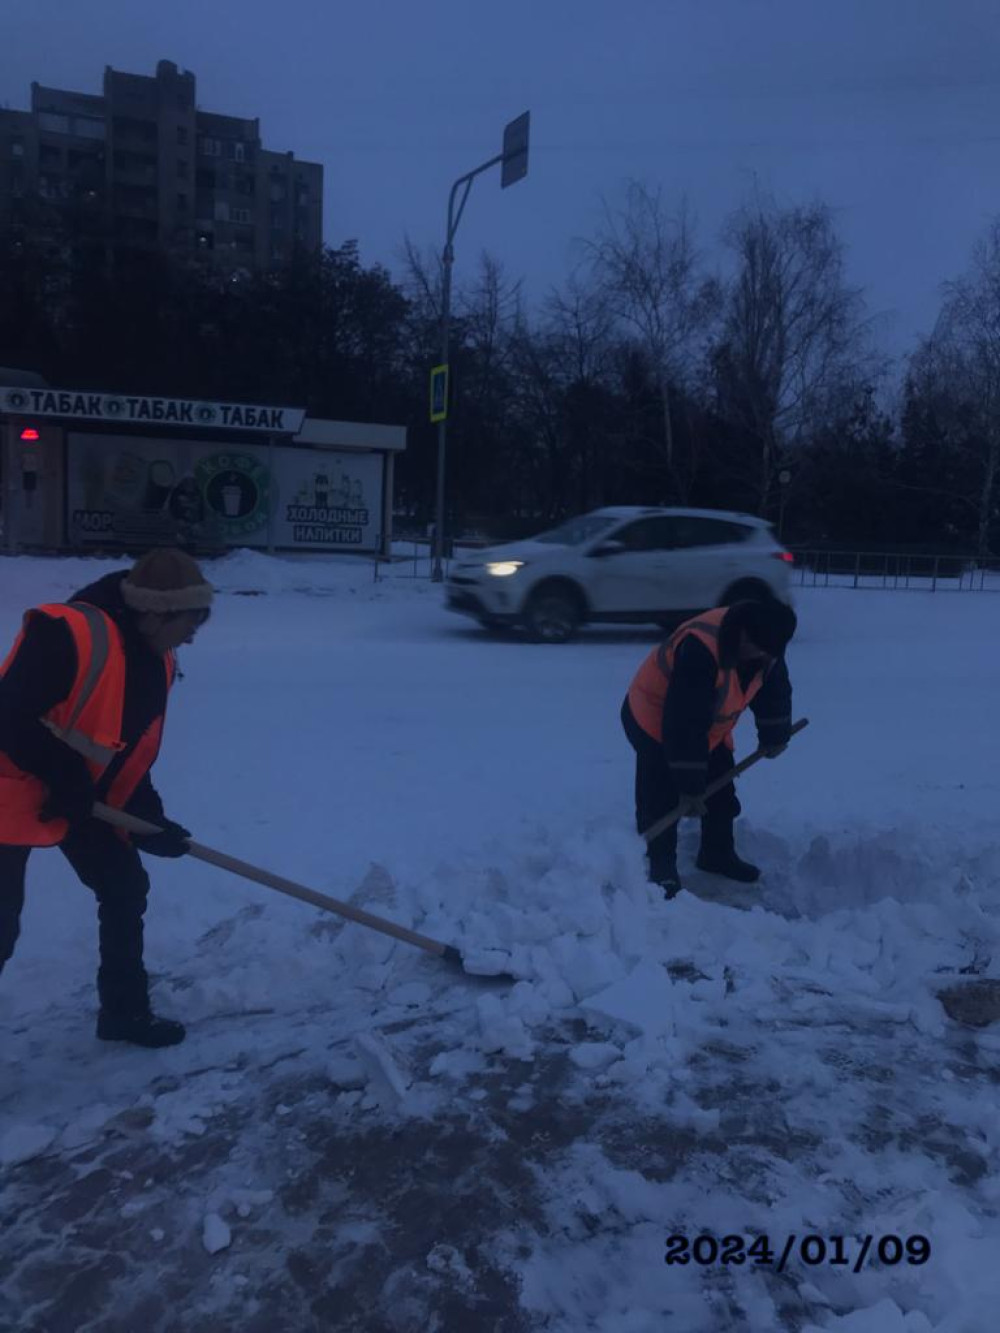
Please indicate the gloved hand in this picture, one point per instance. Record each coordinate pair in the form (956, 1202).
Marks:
(171, 840)
(73, 803)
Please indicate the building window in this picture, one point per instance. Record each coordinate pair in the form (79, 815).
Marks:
(240, 214)
(221, 210)
(17, 149)
(183, 171)
(182, 135)
(89, 127)
(240, 152)
(182, 203)
(56, 124)
(128, 127)
(91, 161)
(210, 147)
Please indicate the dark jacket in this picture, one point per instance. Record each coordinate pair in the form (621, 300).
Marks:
(690, 704)
(42, 674)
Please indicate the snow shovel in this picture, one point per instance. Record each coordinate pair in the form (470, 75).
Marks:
(677, 814)
(132, 825)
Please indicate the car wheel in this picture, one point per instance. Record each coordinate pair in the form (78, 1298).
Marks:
(553, 614)
(747, 590)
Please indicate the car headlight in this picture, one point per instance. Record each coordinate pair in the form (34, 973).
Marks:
(502, 569)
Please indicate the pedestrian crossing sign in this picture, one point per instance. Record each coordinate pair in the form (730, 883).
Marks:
(439, 393)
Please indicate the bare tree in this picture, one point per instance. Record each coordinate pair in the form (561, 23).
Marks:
(958, 370)
(488, 310)
(648, 267)
(794, 337)
(562, 370)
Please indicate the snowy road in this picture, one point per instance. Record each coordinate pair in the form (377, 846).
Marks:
(353, 1138)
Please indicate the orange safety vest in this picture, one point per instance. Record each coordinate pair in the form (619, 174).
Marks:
(648, 691)
(88, 720)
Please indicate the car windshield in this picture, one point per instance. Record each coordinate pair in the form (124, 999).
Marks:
(577, 530)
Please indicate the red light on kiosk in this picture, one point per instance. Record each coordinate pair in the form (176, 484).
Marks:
(30, 434)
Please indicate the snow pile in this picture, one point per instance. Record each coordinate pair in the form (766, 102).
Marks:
(20, 1143)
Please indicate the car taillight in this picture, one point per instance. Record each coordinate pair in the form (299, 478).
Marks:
(786, 556)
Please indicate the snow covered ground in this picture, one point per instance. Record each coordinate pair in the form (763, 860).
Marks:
(355, 1136)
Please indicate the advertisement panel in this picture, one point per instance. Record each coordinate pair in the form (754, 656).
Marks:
(133, 491)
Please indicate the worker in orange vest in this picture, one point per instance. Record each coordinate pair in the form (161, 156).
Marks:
(679, 715)
(83, 694)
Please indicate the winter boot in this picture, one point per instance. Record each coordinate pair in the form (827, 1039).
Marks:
(670, 884)
(141, 1029)
(663, 871)
(718, 854)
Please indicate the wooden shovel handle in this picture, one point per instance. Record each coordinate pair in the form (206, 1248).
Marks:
(131, 824)
(677, 814)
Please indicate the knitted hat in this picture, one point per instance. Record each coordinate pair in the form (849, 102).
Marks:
(165, 581)
(769, 625)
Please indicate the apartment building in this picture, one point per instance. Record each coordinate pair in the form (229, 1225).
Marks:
(141, 167)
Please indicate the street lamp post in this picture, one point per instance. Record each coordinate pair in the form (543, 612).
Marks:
(514, 163)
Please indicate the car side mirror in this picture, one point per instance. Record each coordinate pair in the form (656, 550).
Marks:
(608, 548)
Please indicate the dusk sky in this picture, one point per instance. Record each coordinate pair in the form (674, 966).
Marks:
(887, 109)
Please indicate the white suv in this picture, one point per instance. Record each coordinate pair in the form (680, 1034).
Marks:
(623, 564)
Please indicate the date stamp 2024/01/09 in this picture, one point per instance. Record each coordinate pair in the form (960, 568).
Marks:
(852, 1252)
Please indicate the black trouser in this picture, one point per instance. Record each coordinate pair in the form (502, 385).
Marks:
(656, 794)
(112, 869)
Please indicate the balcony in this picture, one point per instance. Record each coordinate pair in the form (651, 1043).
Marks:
(130, 129)
(135, 168)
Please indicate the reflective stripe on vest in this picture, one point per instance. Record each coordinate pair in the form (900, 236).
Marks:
(100, 647)
(648, 691)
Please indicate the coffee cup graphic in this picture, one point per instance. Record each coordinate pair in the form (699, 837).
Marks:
(236, 495)
(232, 494)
